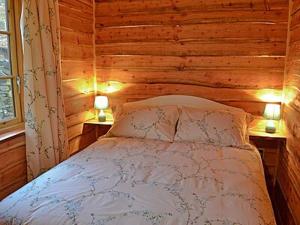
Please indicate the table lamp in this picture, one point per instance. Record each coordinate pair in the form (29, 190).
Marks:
(272, 113)
(101, 103)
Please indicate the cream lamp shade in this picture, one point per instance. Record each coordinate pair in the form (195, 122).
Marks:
(272, 112)
(101, 103)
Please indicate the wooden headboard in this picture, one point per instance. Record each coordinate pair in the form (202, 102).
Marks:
(181, 100)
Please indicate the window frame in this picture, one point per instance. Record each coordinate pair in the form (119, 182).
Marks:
(15, 47)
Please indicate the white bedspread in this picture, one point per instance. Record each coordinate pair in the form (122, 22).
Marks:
(124, 181)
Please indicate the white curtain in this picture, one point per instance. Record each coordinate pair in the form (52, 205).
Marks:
(46, 138)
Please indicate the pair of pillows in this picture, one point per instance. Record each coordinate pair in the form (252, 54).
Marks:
(218, 127)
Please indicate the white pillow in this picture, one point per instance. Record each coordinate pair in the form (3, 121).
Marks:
(218, 127)
(156, 122)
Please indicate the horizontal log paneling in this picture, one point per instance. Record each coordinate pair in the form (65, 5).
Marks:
(73, 69)
(217, 94)
(77, 41)
(177, 62)
(179, 18)
(69, 36)
(243, 31)
(294, 34)
(79, 8)
(295, 7)
(13, 173)
(84, 14)
(289, 170)
(75, 23)
(77, 86)
(79, 103)
(77, 52)
(255, 108)
(225, 50)
(134, 6)
(80, 117)
(194, 48)
(204, 77)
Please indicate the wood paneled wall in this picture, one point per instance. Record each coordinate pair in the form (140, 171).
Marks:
(13, 173)
(224, 50)
(77, 39)
(289, 171)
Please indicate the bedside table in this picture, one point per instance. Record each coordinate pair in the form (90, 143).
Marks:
(269, 146)
(101, 127)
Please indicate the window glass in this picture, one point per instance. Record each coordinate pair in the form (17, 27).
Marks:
(3, 15)
(10, 112)
(7, 108)
(5, 69)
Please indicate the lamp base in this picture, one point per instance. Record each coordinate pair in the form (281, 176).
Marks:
(271, 130)
(271, 127)
(101, 116)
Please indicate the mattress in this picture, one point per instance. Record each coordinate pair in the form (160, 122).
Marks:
(127, 181)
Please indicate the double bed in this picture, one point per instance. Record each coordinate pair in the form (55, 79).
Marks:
(139, 181)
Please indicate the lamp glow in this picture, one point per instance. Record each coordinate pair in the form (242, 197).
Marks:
(110, 87)
(272, 113)
(270, 95)
(101, 103)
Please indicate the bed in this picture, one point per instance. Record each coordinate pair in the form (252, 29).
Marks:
(128, 181)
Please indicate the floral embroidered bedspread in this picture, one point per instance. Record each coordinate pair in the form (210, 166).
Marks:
(126, 181)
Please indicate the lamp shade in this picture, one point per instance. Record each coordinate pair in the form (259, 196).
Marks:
(101, 102)
(272, 112)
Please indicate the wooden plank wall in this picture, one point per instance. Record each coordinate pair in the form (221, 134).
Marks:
(230, 51)
(77, 39)
(13, 173)
(289, 171)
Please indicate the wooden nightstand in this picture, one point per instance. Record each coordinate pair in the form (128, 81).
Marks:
(101, 127)
(269, 146)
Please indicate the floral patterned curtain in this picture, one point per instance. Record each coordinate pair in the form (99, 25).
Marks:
(46, 138)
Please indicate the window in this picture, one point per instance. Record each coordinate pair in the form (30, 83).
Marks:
(10, 110)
